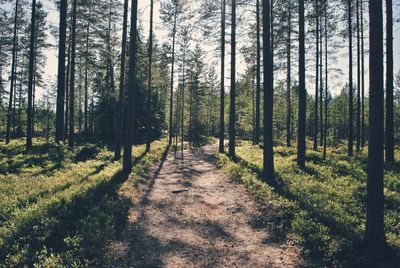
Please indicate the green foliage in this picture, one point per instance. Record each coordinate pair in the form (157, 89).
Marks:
(65, 219)
(322, 207)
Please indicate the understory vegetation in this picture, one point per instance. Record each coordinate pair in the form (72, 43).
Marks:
(60, 207)
(321, 208)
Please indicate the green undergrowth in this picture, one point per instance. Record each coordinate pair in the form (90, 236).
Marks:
(66, 218)
(321, 208)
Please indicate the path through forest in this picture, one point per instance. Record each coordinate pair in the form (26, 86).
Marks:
(190, 215)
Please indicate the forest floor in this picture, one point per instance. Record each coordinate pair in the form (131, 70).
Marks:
(189, 214)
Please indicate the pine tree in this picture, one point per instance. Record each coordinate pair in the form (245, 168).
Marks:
(350, 136)
(71, 136)
(301, 146)
(129, 111)
(13, 67)
(232, 105)
(222, 105)
(374, 231)
(389, 83)
(268, 163)
(61, 73)
(31, 75)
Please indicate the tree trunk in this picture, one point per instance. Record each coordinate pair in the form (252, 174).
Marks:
(362, 80)
(326, 79)
(183, 105)
(129, 111)
(258, 77)
(350, 138)
(268, 150)
(13, 67)
(374, 232)
(30, 81)
(61, 72)
(119, 117)
(232, 110)
(289, 84)
(389, 83)
(222, 105)
(358, 135)
(301, 146)
(66, 123)
(149, 110)
(321, 85)
(315, 146)
(71, 138)
(171, 100)
(86, 72)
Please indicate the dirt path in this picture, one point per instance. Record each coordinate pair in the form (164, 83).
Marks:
(190, 215)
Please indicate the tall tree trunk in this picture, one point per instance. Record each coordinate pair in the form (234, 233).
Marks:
(183, 105)
(31, 74)
(289, 83)
(362, 80)
(315, 146)
(19, 128)
(326, 78)
(120, 125)
(222, 105)
(171, 100)
(13, 67)
(258, 77)
(71, 138)
(374, 232)
(358, 135)
(389, 83)
(61, 72)
(301, 146)
(350, 138)
(129, 111)
(86, 71)
(321, 84)
(66, 123)
(268, 150)
(149, 109)
(34, 98)
(232, 110)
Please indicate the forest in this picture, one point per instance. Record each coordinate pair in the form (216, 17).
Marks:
(204, 133)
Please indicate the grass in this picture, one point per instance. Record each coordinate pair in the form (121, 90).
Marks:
(323, 207)
(63, 216)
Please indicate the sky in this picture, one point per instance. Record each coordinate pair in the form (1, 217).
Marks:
(53, 17)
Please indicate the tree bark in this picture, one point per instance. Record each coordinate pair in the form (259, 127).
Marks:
(86, 72)
(13, 67)
(149, 110)
(374, 231)
(171, 100)
(358, 135)
(326, 79)
(350, 138)
(66, 123)
(315, 145)
(362, 79)
(258, 77)
(129, 111)
(120, 119)
(289, 83)
(301, 146)
(222, 105)
(30, 81)
(389, 83)
(71, 136)
(232, 110)
(268, 151)
(61, 72)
